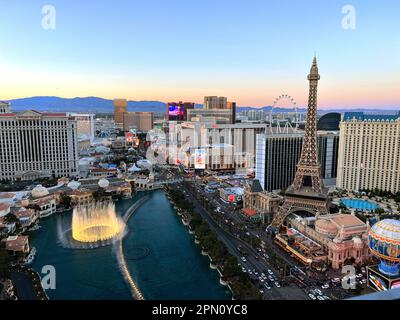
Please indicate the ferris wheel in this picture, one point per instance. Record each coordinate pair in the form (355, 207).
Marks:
(284, 121)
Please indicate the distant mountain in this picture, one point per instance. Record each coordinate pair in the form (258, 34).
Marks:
(268, 108)
(322, 111)
(88, 104)
(100, 105)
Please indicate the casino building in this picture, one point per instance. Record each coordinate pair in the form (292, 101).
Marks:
(35, 144)
(278, 155)
(369, 152)
(334, 239)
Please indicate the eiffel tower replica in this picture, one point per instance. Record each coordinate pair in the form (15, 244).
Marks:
(307, 192)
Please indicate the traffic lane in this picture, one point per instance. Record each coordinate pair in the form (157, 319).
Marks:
(229, 240)
(237, 241)
(256, 263)
(259, 265)
(233, 243)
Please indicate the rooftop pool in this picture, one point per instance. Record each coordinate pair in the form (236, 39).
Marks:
(359, 204)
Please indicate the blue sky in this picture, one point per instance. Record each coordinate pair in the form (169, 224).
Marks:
(251, 51)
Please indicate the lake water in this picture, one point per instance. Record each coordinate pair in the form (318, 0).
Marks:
(160, 253)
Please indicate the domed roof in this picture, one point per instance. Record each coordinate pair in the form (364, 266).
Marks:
(102, 149)
(103, 183)
(329, 122)
(74, 185)
(39, 191)
(325, 226)
(386, 230)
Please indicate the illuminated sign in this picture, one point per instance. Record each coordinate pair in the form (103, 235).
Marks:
(380, 282)
(176, 111)
(200, 158)
(129, 137)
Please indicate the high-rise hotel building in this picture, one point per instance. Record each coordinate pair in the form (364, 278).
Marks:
(142, 121)
(217, 105)
(120, 107)
(5, 107)
(277, 155)
(369, 152)
(35, 144)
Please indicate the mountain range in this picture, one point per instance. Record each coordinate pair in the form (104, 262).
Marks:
(100, 105)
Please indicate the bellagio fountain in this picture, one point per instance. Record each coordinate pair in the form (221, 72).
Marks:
(94, 225)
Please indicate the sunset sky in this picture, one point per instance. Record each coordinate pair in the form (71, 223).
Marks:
(249, 51)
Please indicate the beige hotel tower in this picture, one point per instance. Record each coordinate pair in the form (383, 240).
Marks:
(369, 152)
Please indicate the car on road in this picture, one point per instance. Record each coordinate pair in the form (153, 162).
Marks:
(327, 298)
(243, 259)
(267, 286)
(325, 286)
(320, 298)
(261, 291)
(270, 272)
(312, 296)
(277, 284)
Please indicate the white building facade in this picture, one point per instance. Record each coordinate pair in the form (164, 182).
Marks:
(369, 152)
(226, 146)
(5, 107)
(35, 144)
(85, 125)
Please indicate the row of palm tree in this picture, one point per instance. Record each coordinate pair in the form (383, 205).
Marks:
(239, 281)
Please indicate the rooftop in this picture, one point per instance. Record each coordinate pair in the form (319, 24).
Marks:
(4, 206)
(256, 186)
(361, 116)
(7, 195)
(347, 220)
(249, 212)
(24, 213)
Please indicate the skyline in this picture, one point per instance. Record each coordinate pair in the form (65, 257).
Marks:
(210, 56)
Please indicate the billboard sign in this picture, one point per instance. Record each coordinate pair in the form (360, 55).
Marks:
(200, 159)
(176, 111)
(129, 137)
(377, 282)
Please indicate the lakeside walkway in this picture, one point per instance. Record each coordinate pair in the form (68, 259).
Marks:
(136, 293)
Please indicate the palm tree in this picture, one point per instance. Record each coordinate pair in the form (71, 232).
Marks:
(10, 218)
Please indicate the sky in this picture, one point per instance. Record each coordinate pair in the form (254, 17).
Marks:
(250, 51)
